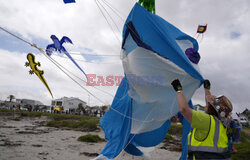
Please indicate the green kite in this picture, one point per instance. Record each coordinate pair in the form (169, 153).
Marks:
(148, 5)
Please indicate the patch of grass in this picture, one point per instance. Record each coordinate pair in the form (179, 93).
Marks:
(90, 138)
(175, 129)
(245, 136)
(90, 124)
(29, 114)
(59, 117)
(6, 113)
(169, 137)
(243, 151)
(16, 119)
(243, 147)
(76, 124)
(6, 110)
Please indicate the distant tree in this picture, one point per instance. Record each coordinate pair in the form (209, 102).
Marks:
(36, 107)
(104, 108)
(45, 107)
(11, 97)
(80, 108)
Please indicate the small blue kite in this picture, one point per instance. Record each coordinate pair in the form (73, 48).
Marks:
(58, 46)
(69, 1)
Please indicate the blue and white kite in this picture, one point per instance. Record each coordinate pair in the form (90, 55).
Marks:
(58, 46)
(153, 54)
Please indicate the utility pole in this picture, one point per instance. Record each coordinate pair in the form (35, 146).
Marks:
(89, 100)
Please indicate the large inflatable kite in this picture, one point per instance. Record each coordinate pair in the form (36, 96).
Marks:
(154, 53)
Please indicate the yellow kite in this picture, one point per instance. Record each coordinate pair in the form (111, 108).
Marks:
(33, 65)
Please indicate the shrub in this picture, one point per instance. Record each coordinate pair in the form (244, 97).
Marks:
(175, 129)
(169, 137)
(30, 114)
(90, 138)
(84, 125)
(16, 119)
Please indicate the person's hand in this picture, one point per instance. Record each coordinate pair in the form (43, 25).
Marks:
(206, 84)
(176, 85)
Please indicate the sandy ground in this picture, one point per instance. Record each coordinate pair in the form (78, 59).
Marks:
(28, 139)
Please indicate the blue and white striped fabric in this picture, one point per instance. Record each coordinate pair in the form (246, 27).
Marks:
(153, 54)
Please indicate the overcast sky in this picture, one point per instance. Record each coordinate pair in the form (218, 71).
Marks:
(224, 48)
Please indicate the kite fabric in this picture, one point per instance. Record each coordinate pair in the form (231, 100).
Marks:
(202, 28)
(33, 65)
(153, 54)
(148, 5)
(69, 1)
(58, 46)
(193, 55)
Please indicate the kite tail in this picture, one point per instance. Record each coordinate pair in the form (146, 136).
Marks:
(74, 62)
(45, 83)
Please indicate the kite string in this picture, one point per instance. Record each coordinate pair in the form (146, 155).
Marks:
(110, 15)
(143, 121)
(102, 55)
(139, 128)
(116, 11)
(83, 80)
(53, 61)
(109, 62)
(43, 52)
(18, 37)
(175, 101)
(57, 64)
(82, 60)
(95, 88)
(90, 92)
(96, 1)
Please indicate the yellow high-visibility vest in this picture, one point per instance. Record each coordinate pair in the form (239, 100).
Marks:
(216, 140)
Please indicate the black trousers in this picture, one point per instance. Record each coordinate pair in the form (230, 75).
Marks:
(208, 155)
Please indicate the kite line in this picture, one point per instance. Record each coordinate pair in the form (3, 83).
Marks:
(60, 67)
(67, 74)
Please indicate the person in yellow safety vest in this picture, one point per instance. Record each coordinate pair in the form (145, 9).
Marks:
(208, 139)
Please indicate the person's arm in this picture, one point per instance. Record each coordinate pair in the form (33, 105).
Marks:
(207, 86)
(185, 110)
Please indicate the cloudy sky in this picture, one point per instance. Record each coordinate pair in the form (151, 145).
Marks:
(224, 48)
